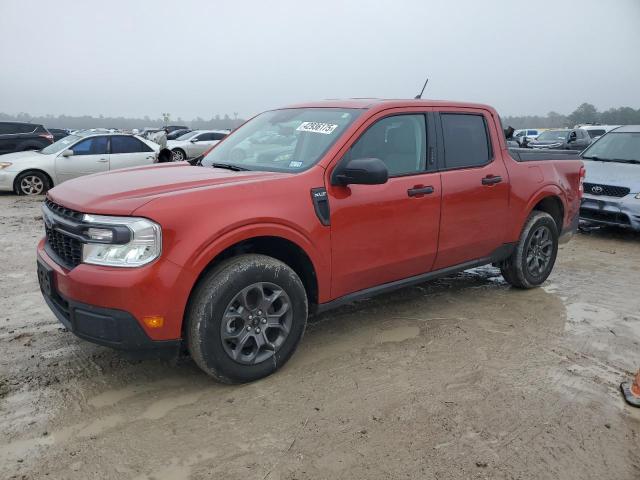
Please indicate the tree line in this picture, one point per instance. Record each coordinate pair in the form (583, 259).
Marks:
(585, 113)
(87, 121)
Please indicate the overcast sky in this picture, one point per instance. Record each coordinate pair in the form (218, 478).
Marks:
(198, 58)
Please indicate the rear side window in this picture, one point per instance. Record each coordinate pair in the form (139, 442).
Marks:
(218, 136)
(595, 133)
(121, 144)
(532, 132)
(466, 143)
(13, 128)
(91, 146)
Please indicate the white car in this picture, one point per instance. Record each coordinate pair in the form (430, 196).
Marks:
(528, 133)
(195, 143)
(34, 172)
(596, 131)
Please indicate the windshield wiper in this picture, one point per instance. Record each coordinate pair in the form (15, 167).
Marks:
(619, 160)
(229, 166)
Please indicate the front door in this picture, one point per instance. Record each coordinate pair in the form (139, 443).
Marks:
(475, 187)
(382, 233)
(89, 156)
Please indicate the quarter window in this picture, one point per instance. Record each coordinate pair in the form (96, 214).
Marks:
(398, 141)
(91, 146)
(466, 143)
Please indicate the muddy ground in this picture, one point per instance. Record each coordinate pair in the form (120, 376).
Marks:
(459, 378)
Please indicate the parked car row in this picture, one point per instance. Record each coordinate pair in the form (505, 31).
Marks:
(84, 153)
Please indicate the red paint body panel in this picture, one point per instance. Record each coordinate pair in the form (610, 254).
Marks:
(377, 234)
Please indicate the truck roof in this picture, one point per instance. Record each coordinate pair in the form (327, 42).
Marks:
(382, 103)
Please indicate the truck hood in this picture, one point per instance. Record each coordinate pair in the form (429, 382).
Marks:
(613, 173)
(121, 192)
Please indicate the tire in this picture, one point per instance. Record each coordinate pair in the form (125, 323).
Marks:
(32, 183)
(179, 155)
(535, 255)
(227, 329)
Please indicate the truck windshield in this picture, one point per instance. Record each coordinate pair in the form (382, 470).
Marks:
(615, 147)
(289, 140)
(553, 135)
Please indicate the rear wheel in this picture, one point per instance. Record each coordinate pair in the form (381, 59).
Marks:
(535, 255)
(31, 183)
(246, 318)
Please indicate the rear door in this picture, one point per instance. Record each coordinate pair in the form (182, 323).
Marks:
(475, 187)
(382, 233)
(89, 156)
(127, 151)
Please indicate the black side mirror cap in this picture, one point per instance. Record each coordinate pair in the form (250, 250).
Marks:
(360, 171)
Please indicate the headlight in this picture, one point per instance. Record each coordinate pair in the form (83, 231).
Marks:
(5, 165)
(638, 196)
(121, 241)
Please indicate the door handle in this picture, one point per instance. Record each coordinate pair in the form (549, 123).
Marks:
(491, 179)
(419, 191)
(103, 160)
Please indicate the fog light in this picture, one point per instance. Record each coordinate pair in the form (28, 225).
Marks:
(153, 321)
(100, 234)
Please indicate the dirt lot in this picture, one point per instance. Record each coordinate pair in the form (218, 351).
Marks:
(459, 378)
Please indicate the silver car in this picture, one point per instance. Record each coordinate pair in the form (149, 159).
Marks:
(612, 184)
(194, 143)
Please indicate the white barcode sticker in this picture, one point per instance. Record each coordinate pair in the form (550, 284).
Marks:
(317, 127)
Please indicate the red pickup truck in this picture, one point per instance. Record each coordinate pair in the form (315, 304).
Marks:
(299, 210)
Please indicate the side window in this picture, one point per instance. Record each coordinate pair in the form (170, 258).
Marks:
(532, 132)
(218, 136)
(466, 143)
(398, 141)
(122, 144)
(91, 146)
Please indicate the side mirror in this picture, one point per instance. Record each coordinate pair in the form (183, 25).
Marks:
(360, 171)
(67, 153)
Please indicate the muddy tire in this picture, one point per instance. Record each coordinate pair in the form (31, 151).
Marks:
(32, 183)
(534, 256)
(246, 318)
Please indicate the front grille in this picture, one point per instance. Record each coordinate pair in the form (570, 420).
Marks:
(606, 190)
(67, 249)
(63, 211)
(614, 218)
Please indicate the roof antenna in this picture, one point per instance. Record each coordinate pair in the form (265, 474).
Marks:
(419, 96)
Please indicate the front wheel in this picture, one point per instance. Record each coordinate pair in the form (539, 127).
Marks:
(32, 183)
(179, 155)
(246, 318)
(535, 255)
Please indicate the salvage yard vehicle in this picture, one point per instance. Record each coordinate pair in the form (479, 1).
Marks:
(20, 137)
(228, 259)
(612, 184)
(84, 153)
(194, 143)
(562, 139)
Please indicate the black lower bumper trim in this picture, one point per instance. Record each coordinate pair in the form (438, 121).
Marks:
(104, 326)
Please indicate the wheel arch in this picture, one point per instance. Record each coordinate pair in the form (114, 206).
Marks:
(548, 199)
(32, 170)
(277, 246)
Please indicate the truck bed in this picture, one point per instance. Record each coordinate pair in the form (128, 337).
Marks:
(537, 154)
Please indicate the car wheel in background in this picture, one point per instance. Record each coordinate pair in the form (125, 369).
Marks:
(179, 155)
(534, 256)
(246, 318)
(32, 183)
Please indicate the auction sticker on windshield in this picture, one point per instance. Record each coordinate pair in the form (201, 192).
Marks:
(317, 127)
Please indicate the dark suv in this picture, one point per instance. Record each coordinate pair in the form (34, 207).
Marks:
(19, 136)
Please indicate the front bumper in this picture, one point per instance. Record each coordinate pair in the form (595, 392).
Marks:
(602, 210)
(106, 305)
(6, 180)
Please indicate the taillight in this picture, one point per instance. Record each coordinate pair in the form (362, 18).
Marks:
(48, 136)
(583, 173)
